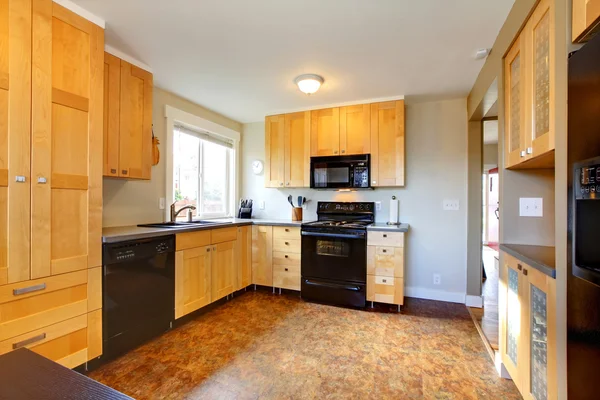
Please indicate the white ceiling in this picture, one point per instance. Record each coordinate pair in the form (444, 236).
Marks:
(239, 57)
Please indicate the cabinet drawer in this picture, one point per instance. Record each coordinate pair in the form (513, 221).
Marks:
(286, 232)
(391, 239)
(64, 342)
(384, 289)
(286, 259)
(26, 306)
(189, 240)
(286, 277)
(385, 261)
(287, 245)
(223, 235)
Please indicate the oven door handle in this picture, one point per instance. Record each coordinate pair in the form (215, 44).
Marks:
(335, 235)
(332, 285)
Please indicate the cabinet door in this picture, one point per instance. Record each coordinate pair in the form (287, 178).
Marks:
(192, 280)
(539, 319)
(325, 132)
(223, 267)
(67, 136)
(387, 143)
(592, 12)
(511, 318)
(274, 151)
(297, 149)
(112, 101)
(262, 255)
(540, 75)
(514, 100)
(15, 134)
(135, 135)
(355, 132)
(244, 265)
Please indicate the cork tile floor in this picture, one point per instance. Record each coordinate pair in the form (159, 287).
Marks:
(264, 346)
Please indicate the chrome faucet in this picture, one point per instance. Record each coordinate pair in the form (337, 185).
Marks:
(174, 213)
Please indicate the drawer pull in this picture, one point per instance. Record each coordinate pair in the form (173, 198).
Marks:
(520, 267)
(29, 289)
(384, 250)
(286, 256)
(384, 280)
(287, 230)
(208, 250)
(286, 270)
(113, 171)
(525, 271)
(384, 235)
(287, 243)
(31, 340)
(124, 172)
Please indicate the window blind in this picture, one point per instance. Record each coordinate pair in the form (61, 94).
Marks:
(219, 140)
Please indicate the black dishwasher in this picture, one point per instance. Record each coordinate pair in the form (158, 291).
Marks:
(138, 292)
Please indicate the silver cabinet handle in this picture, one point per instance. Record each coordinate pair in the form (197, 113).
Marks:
(523, 153)
(288, 184)
(374, 182)
(215, 248)
(20, 178)
(25, 342)
(29, 289)
(335, 152)
(343, 151)
(42, 180)
(280, 183)
(530, 150)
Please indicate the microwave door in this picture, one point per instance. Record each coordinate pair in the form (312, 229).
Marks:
(332, 175)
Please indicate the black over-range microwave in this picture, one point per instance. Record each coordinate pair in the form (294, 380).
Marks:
(340, 172)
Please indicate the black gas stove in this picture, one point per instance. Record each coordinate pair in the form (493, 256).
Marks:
(334, 253)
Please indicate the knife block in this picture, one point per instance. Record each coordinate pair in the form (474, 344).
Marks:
(297, 214)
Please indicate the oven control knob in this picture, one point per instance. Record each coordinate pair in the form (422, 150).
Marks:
(352, 207)
(361, 207)
(593, 189)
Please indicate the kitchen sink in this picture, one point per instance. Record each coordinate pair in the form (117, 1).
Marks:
(181, 224)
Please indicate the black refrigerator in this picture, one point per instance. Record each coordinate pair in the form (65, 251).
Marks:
(583, 278)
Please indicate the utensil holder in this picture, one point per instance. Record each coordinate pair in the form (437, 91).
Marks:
(297, 214)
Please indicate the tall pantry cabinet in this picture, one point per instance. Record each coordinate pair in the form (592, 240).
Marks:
(51, 77)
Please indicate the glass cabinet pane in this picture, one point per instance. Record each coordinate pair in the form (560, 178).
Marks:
(515, 103)
(513, 315)
(541, 47)
(539, 344)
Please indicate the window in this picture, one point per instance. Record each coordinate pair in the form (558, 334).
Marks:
(202, 173)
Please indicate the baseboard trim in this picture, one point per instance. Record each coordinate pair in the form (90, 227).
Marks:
(430, 294)
(474, 301)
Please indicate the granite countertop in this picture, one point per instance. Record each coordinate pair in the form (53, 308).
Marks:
(542, 258)
(133, 232)
(383, 227)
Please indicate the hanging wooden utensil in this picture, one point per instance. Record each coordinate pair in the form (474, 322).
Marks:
(155, 150)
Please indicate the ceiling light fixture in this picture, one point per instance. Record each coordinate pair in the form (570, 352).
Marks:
(309, 83)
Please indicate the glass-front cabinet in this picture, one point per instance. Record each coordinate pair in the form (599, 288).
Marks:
(527, 328)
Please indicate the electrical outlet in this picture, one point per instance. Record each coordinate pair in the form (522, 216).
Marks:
(451, 204)
(437, 279)
(161, 203)
(261, 205)
(377, 206)
(531, 207)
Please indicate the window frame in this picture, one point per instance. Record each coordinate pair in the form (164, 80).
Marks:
(176, 117)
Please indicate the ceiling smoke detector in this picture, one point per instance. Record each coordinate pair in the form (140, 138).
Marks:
(309, 83)
(481, 54)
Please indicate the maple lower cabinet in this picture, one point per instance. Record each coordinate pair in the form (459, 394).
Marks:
(127, 119)
(585, 19)
(286, 257)
(385, 267)
(224, 265)
(355, 131)
(530, 88)
(262, 255)
(192, 279)
(527, 308)
(244, 263)
(325, 132)
(387, 144)
(274, 151)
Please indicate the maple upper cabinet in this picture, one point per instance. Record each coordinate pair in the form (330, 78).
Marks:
(387, 144)
(297, 149)
(127, 119)
(274, 151)
(586, 19)
(530, 93)
(15, 139)
(325, 132)
(355, 129)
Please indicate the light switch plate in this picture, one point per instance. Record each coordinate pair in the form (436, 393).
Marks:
(531, 207)
(261, 205)
(377, 206)
(161, 203)
(451, 205)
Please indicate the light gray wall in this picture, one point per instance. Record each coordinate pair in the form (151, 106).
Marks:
(490, 156)
(436, 165)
